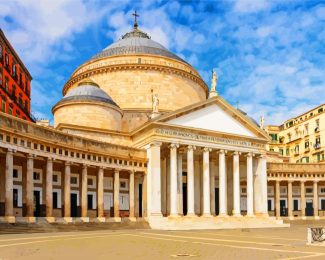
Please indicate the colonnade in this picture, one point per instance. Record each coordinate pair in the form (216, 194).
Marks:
(290, 198)
(256, 181)
(66, 189)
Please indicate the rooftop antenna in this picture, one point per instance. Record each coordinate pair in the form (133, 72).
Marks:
(135, 26)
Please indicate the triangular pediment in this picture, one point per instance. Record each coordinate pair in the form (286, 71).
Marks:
(215, 115)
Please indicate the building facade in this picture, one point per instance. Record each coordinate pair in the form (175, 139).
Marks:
(14, 82)
(300, 139)
(137, 134)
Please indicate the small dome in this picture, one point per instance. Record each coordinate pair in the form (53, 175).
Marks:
(87, 91)
(136, 42)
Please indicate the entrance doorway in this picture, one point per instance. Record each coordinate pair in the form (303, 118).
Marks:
(283, 209)
(74, 204)
(216, 201)
(37, 203)
(185, 199)
(309, 208)
(140, 200)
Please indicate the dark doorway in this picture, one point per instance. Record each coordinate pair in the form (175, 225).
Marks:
(74, 205)
(15, 198)
(55, 200)
(283, 210)
(37, 203)
(216, 201)
(140, 200)
(309, 208)
(269, 205)
(184, 199)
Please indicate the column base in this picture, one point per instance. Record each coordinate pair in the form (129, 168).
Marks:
(250, 216)
(8, 219)
(303, 218)
(84, 219)
(316, 217)
(191, 215)
(27, 219)
(223, 215)
(133, 219)
(114, 219)
(50, 219)
(67, 219)
(173, 216)
(206, 215)
(101, 219)
(237, 215)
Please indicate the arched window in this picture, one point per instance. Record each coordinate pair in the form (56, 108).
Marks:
(7, 59)
(14, 70)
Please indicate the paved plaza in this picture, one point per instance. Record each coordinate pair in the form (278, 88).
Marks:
(281, 243)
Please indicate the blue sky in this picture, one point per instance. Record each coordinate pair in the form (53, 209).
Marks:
(269, 55)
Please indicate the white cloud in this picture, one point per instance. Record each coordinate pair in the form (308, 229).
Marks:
(250, 6)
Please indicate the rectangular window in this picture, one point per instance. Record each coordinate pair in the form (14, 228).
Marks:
(36, 176)
(90, 182)
(74, 180)
(269, 205)
(281, 151)
(15, 174)
(295, 205)
(55, 200)
(287, 151)
(10, 111)
(15, 197)
(309, 190)
(55, 178)
(90, 201)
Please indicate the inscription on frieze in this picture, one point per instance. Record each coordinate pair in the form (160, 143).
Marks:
(214, 139)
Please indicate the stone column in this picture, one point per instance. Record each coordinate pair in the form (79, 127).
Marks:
(236, 185)
(100, 194)
(180, 183)
(67, 189)
(206, 182)
(49, 190)
(222, 184)
(213, 172)
(131, 196)
(145, 195)
(277, 199)
(250, 187)
(29, 187)
(164, 186)
(154, 180)
(302, 199)
(190, 181)
(315, 199)
(197, 187)
(9, 205)
(260, 187)
(84, 199)
(173, 180)
(290, 202)
(116, 194)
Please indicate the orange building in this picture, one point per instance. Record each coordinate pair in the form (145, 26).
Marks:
(14, 82)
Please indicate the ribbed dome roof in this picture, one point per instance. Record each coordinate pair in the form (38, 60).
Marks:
(136, 42)
(87, 91)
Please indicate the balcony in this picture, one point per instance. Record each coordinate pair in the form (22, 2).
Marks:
(316, 129)
(307, 149)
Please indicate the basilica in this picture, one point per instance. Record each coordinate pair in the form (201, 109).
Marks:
(137, 135)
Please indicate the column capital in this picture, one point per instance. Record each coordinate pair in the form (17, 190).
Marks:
(101, 167)
(173, 145)
(30, 156)
(302, 181)
(261, 156)
(249, 154)
(222, 151)
(49, 159)
(67, 163)
(290, 181)
(156, 143)
(84, 166)
(315, 181)
(277, 181)
(207, 149)
(10, 150)
(236, 153)
(116, 171)
(191, 148)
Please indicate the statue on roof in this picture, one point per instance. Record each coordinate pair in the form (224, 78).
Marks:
(262, 121)
(155, 103)
(214, 80)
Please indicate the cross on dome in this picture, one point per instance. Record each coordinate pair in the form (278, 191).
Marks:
(135, 20)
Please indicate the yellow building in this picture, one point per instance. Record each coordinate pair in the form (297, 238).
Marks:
(300, 139)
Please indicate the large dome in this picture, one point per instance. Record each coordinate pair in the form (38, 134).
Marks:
(136, 42)
(135, 68)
